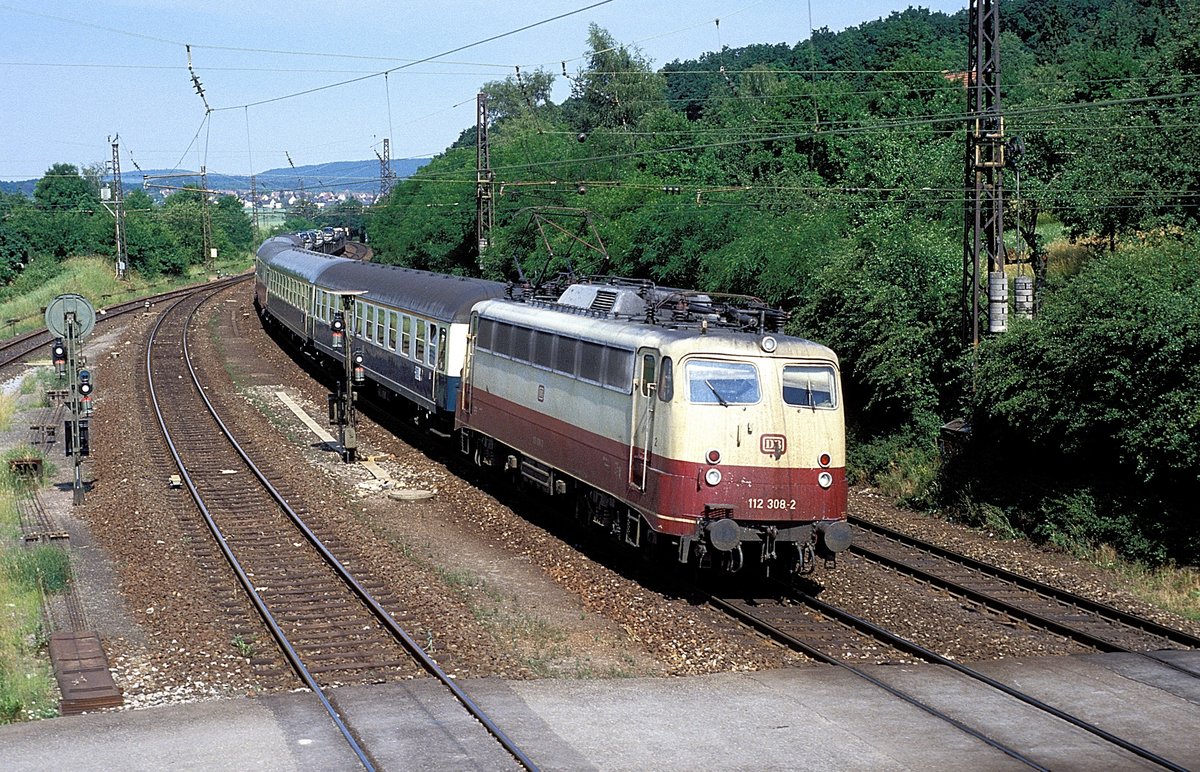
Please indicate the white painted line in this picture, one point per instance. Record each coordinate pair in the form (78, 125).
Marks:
(317, 429)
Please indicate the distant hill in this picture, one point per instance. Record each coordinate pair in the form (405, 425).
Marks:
(336, 176)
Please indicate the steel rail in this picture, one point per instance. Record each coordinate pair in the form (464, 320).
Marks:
(829, 659)
(929, 655)
(288, 650)
(1013, 610)
(368, 600)
(1096, 607)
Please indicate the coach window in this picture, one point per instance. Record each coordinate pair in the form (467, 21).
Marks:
(434, 339)
(379, 325)
(391, 329)
(666, 381)
(648, 375)
(419, 354)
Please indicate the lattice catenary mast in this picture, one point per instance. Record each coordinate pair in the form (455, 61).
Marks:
(484, 178)
(983, 237)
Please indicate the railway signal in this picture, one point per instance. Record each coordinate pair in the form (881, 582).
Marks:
(338, 329)
(72, 318)
(59, 355)
(85, 392)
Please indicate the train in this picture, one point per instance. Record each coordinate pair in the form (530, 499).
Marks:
(681, 423)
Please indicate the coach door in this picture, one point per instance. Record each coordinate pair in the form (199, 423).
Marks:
(641, 435)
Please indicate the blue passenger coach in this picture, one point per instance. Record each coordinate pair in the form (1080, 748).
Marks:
(410, 325)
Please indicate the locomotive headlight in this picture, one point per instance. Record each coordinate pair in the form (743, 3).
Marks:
(713, 477)
(769, 344)
(824, 459)
(824, 479)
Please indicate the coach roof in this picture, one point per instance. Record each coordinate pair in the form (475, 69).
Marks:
(282, 254)
(433, 295)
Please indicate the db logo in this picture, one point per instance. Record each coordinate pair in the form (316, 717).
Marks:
(773, 445)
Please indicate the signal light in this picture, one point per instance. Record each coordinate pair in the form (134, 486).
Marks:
(360, 373)
(338, 326)
(60, 352)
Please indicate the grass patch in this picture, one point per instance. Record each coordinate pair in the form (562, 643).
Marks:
(8, 406)
(16, 483)
(93, 278)
(1169, 587)
(43, 568)
(27, 689)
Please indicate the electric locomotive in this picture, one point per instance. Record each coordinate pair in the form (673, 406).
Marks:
(673, 419)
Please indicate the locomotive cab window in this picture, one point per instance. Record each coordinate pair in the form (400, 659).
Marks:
(713, 382)
(649, 384)
(809, 386)
(666, 381)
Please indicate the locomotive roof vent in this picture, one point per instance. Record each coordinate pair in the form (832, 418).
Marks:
(621, 301)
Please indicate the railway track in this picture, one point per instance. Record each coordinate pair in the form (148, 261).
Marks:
(331, 628)
(808, 625)
(1081, 619)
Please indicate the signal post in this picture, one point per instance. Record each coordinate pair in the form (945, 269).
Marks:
(72, 318)
(342, 413)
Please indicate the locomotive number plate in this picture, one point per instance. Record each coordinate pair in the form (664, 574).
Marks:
(786, 504)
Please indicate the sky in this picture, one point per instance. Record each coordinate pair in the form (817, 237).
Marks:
(75, 74)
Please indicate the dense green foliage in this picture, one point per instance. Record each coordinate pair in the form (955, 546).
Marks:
(66, 218)
(1095, 405)
(827, 177)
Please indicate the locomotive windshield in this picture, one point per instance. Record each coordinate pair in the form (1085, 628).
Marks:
(711, 382)
(809, 386)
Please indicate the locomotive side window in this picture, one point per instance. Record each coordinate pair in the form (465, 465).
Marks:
(485, 328)
(591, 361)
(564, 355)
(543, 349)
(712, 382)
(809, 386)
(501, 338)
(666, 381)
(618, 369)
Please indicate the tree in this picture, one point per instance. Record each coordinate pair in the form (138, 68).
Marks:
(516, 95)
(63, 189)
(617, 86)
